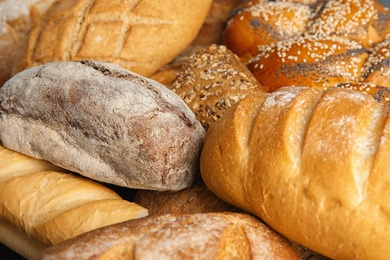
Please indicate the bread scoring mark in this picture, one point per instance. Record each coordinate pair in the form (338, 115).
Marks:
(125, 20)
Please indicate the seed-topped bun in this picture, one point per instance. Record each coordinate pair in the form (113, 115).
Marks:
(377, 67)
(308, 61)
(263, 24)
(379, 93)
(351, 19)
(212, 80)
(340, 43)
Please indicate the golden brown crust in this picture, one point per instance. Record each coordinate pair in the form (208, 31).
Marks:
(308, 61)
(140, 35)
(49, 205)
(350, 19)
(379, 93)
(212, 80)
(264, 24)
(179, 236)
(376, 69)
(312, 156)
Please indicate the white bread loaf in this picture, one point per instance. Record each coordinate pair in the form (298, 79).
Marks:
(41, 206)
(220, 235)
(103, 122)
(141, 36)
(312, 164)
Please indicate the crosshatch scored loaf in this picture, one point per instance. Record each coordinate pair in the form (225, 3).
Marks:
(139, 35)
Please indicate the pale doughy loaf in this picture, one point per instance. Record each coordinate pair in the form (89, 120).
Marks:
(179, 236)
(41, 205)
(103, 122)
(312, 164)
(139, 35)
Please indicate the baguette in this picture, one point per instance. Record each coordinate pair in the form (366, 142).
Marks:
(178, 236)
(312, 164)
(42, 205)
(103, 122)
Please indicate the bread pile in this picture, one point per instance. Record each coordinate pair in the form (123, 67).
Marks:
(197, 129)
(321, 44)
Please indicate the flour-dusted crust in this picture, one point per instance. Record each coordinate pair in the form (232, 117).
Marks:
(312, 164)
(103, 122)
(179, 236)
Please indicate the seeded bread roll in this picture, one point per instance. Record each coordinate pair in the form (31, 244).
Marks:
(376, 69)
(350, 19)
(140, 36)
(330, 47)
(308, 61)
(212, 80)
(263, 24)
(179, 236)
(103, 122)
(41, 204)
(312, 164)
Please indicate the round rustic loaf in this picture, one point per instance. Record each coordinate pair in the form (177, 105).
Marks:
(140, 36)
(104, 122)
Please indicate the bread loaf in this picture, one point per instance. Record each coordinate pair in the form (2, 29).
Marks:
(313, 164)
(212, 80)
(308, 61)
(41, 205)
(104, 122)
(140, 36)
(178, 236)
(265, 23)
(16, 19)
